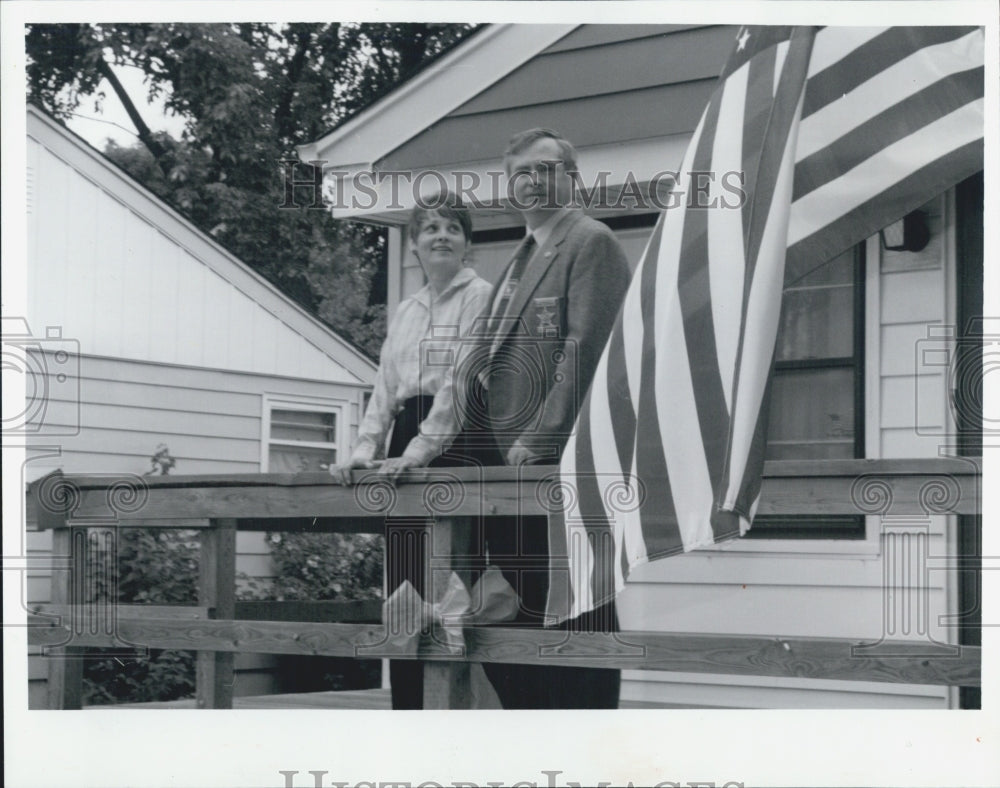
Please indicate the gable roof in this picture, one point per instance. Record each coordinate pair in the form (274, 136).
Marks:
(444, 85)
(628, 96)
(283, 314)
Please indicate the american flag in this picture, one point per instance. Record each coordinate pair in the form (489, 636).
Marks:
(838, 132)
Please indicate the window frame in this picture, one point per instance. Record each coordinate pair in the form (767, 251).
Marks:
(845, 527)
(855, 360)
(307, 404)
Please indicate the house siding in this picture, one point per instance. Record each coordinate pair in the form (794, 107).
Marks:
(210, 420)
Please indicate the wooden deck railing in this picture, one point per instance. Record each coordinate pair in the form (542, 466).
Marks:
(219, 626)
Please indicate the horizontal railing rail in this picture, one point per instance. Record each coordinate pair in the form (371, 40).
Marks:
(217, 506)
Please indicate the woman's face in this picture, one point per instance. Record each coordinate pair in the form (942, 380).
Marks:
(440, 244)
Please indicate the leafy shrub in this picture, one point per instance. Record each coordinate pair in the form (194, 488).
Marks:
(326, 566)
(163, 675)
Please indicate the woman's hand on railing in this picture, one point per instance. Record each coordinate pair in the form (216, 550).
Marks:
(342, 473)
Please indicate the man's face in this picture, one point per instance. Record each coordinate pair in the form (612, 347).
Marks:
(538, 181)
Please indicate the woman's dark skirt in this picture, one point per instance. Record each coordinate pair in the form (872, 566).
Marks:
(408, 539)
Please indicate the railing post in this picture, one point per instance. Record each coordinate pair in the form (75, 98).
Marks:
(65, 680)
(447, 685)
(217, 590)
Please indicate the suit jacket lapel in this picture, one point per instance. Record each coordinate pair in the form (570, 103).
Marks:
(537, 269)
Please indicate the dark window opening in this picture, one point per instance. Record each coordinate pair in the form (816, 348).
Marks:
(817, 392)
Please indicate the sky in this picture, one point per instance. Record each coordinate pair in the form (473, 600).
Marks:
(113, 122)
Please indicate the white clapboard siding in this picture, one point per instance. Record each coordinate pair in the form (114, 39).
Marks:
(211, 420)
(125, 276)
(913, 383)
(824, 608)
(702, 690)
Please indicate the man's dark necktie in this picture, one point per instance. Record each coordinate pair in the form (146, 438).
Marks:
(516, 271)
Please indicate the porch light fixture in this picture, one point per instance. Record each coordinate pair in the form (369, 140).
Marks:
(909, 234)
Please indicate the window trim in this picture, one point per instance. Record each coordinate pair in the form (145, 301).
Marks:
(307, 403)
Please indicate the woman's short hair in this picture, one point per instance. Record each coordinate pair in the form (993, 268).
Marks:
(446, 205)
(524, 139)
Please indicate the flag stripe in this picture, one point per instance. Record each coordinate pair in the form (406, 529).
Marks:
(833, 43)
(883, 91)
(560, 594)
(871, 58)
(661, 533)
(694, 293)
(763, 309)
(868, 217)
(759, 98)
(897, 123)
(775, 143)
(762, 306)
(594, 516)
(878, 173)
(631, 317)
(749, 490)
(607, 465)
(675, 401)
(725, 264)
(659, 524)
(620, 405)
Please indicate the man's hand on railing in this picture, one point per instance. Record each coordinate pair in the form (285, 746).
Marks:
(342, 473)
(394, 466)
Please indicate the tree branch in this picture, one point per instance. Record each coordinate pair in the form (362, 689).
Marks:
(145, 135)
(282, 113)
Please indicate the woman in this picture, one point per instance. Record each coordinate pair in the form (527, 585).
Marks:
(412, 397)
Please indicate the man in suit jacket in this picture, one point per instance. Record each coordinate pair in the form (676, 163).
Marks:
(546, 325)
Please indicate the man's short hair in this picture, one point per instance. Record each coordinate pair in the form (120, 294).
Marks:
(445, 204)
(525, 139)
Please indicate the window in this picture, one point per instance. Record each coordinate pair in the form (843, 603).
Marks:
(817, 395)
(300, 436)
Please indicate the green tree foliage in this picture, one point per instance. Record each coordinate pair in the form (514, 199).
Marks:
(249, 93)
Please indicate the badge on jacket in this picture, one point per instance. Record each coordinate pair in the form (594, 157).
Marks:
(547, 315)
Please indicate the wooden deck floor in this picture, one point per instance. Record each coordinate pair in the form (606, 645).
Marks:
(348, 699)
